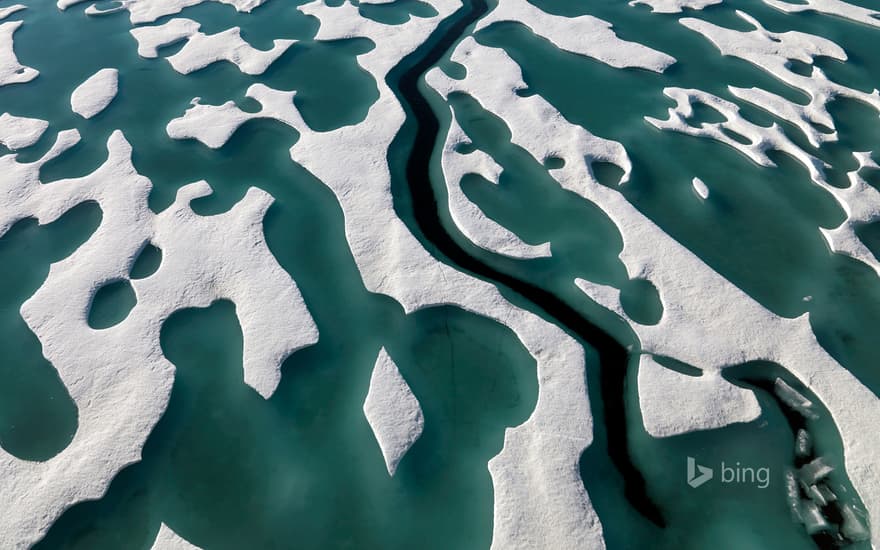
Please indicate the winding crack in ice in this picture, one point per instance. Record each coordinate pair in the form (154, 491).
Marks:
(707, 321)
(392, 411)
(95, 94)
(118, 377)
(584, 35)
(169, 540)
(11, 71)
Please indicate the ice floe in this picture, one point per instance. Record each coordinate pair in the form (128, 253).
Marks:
(169, 540)
(773, 52)
(701, 402)
(20, 132)
(584, 35)
(675, 6)
(117, 376)
(95, 94)
(203, 49)
(470, 220)
(147, 11)
(9, 10)
(860, 201)
(213, 125)
(151, 38)
(839, 8)
(700, 188)
(540, 500)
(707, 321)
(392, 411)
(11, 71)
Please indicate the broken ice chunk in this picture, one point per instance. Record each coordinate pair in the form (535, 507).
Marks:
(814, 471)
(794, 399)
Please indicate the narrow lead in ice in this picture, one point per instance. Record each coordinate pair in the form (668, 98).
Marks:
(392, 411)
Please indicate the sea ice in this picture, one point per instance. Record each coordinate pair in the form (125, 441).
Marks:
(169, 540)
(674, 6)
(9, 10)
(203, 49)
(213, 125)
(707, 322)
(20, 132)
(118, 377)
(832, 7)
(392, 411)
(95, 94)
(584, 35)
(700, 188)
(703, 402)
(11, 71)
(468, 217)
(147, 11)
(794, 399)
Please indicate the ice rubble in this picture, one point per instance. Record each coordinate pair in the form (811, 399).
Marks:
(147, 11)
(707, 321)
(95, 94)
(169, 540)
(392, 411)
(118, 377)
(203, 49)
(20, 132)
(584, 35)
(11, 71)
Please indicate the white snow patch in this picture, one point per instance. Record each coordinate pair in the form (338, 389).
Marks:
(673, 403)
(11, 71)
(147, 11)
(9, 10)
(468, 217)
(675, 6)
(831, 7)
(95, 94)
(392, 411)
(213, 125)
(20, 132)
(169, 540)
(707, 321)
(118, 377)
(540, 500)
(150, 39)
(584, 35)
